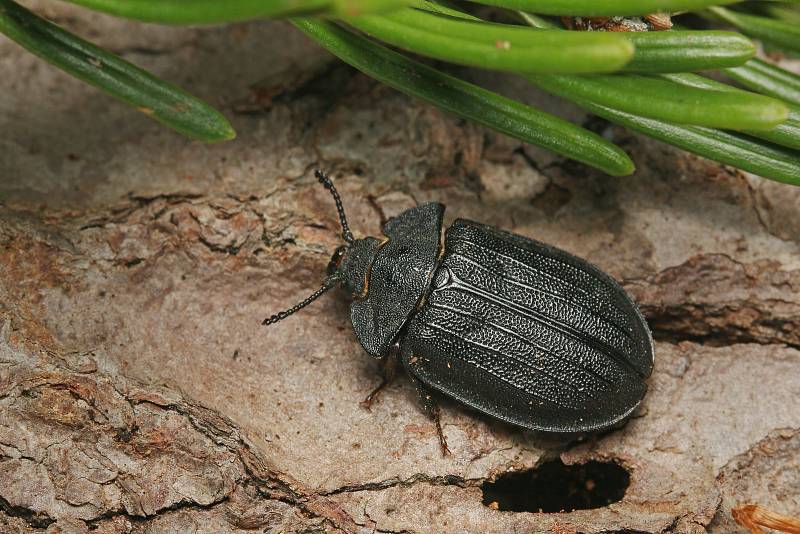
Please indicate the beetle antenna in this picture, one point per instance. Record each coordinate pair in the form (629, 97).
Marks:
(324, 180)
(329, 283)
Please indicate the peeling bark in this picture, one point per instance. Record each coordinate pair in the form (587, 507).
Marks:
(138, 393)
(716, 299)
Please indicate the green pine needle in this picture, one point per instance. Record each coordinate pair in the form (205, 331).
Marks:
(497, 46)
(641, 80)
(601, 8)
(216, 11)
(468, 100)
(662, 99)
(155, 98)
(782, 34)
(768, 79)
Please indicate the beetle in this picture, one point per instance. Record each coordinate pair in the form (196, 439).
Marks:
(511, 327)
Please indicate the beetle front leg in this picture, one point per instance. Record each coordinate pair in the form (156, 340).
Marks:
(389, 372)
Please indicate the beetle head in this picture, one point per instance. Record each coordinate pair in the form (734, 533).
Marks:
(337, 272)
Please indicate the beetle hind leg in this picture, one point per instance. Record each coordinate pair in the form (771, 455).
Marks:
(389, 372)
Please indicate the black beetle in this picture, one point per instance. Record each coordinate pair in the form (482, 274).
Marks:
(506, 325)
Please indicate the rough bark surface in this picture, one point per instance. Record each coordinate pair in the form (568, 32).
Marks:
(138, 392)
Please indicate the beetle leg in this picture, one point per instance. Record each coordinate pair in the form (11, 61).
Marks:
(431, 409)
(389, 372)
(424, 395)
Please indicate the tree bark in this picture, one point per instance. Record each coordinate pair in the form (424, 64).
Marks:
(138, 392)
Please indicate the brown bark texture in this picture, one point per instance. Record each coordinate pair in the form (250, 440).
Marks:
(139, 393)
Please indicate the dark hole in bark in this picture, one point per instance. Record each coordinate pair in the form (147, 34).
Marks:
(555, 487)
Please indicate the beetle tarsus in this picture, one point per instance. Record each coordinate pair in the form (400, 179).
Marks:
(389, 372)
(373, 395)
(431, 409)
(442, 440)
